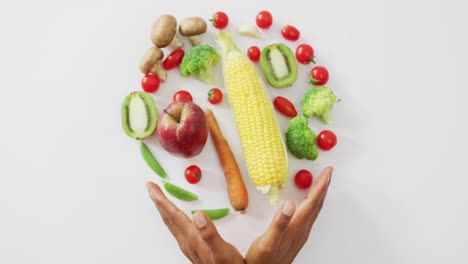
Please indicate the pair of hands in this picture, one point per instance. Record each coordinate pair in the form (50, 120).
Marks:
(201, 243)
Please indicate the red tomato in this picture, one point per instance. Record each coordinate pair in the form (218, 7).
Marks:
(220, 20)
(303, 179)
(254, 53)
(174, 59)
(264, 19)
(326, 140)
(319, 75)
(215, 96)
(193, 174)
(305, 54)
(182, 95)
(290, 33)
(284, 106)
(150, 83)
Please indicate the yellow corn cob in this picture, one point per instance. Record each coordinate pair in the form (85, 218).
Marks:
(260, 135)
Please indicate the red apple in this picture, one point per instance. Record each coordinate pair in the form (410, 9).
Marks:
(182, 129)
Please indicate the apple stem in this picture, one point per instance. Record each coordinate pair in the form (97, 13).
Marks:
(177, 119)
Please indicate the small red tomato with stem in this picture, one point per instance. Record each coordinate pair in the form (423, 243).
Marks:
(215, 96)
(326, 140)
(290, 33)
(193, 174)
(303, 179)
(182, 95)
(284, 106)
(254, 53)
(319, 75)
(174, 59)
(220, 20)
(150, 83)
(305, 54)
(264, 19)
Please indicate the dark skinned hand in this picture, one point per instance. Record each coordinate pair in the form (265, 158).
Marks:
(201, 243)
(290, 227)
(198, 238)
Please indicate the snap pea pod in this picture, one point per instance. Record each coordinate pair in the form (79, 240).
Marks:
(214, 214)
(179, 193)
(151, 161)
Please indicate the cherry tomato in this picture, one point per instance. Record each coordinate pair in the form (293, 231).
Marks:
(150, 83)
(220, 20)
(305, 54)
(193, 174)
(254, 53)
(319, 75)
(182, 95)
(326, 140)
(264, 19)
(215, 96)
(290, 33)
(284, 106)
(174, 59)
(303, 179)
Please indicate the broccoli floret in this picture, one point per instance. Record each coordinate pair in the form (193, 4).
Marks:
(199, 61)
(300, 139)
(319, 101)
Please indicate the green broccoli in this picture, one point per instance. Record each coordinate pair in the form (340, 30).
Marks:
(300, 139)
(199, 61)
(319, 101)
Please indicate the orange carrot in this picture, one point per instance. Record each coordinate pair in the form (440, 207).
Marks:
(238, 195)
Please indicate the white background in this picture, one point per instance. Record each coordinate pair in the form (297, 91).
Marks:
(72, 183)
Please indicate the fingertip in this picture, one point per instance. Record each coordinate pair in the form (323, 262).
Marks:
(154, 191)
(149, 185)
(207, 230)
(149, 189)
(326, 175)
(200, 219)
(322, 183)
(329, 172)
(288, 208)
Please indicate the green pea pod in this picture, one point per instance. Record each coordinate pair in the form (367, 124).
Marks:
(151, 161)
(179, 193)
(214, 214)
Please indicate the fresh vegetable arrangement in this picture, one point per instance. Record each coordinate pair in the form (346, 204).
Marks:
(214, 214)
(182, 127)
(193, 174)
(303, 179)
(319, 101)
(199, 62)
(237, 191)
(284, 106)
(215, 96)
(300, 139)
(279, 65)
(139, 115)
(179, 192)
(151, 161)
(246, 90)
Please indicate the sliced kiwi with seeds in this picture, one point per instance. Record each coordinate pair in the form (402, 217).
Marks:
(139, 115)
(279, 65)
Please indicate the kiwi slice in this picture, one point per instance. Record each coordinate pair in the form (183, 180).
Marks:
(279, 65)
(139, 115)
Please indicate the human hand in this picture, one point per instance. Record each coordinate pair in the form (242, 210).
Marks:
(198, 239)
(290, 228)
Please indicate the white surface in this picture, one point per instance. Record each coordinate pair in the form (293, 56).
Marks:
(72, 183)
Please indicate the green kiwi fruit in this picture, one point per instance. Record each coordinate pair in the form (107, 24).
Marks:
(139, 115)
(279, 65)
